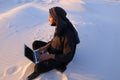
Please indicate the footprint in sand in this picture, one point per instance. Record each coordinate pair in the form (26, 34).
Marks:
(11, 70)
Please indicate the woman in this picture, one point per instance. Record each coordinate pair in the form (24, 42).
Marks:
(61, 48)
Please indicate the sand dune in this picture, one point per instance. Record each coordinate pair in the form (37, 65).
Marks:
(97, 21)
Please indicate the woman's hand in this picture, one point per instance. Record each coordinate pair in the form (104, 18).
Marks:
(46, 57)
(42, 49)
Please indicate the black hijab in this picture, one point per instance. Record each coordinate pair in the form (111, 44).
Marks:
(63, 25)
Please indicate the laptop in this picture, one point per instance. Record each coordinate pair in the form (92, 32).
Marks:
(32, 55)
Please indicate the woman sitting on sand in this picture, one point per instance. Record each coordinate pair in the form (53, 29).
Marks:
(61, 48)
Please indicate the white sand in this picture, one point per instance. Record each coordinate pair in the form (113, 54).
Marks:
(98, 24)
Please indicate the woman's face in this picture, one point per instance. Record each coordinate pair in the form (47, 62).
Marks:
(51, 20)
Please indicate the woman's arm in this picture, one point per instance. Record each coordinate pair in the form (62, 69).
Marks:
(68, 52)
(46, 57)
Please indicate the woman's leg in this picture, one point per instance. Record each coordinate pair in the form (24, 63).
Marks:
(43, 67)
(38, 44)
(38, 69)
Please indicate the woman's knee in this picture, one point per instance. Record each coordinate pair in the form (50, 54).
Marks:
(37, 44)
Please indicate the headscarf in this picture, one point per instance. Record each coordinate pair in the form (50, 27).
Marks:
(63, 25)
